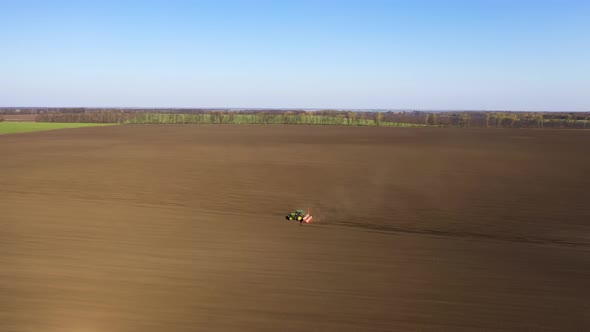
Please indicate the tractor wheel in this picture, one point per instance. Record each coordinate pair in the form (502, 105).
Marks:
(290, 218)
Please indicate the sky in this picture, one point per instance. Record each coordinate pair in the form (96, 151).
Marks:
(431, 55)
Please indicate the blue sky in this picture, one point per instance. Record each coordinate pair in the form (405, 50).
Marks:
(518, 54)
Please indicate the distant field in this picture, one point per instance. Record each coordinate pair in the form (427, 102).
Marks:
(23, 127)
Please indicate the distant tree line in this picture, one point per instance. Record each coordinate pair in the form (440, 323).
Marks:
(87, 117)
(476, 119)
(294, 118)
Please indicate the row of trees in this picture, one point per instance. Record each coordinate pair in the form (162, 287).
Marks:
(348, 119)
(507, 120)
(324, 117)
(87, 117)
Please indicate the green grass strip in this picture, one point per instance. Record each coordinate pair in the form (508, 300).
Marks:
(24, 127)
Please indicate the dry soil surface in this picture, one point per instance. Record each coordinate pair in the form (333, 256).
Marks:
(182, 228)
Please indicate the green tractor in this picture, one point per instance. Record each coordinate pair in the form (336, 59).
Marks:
(297, 215)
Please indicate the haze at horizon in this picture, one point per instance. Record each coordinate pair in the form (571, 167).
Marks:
(508, 55)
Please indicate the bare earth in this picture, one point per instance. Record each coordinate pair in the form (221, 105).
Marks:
(182, 228)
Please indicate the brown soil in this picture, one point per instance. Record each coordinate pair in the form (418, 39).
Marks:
(182, 228)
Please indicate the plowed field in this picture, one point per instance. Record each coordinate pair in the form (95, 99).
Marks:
(182, 228)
